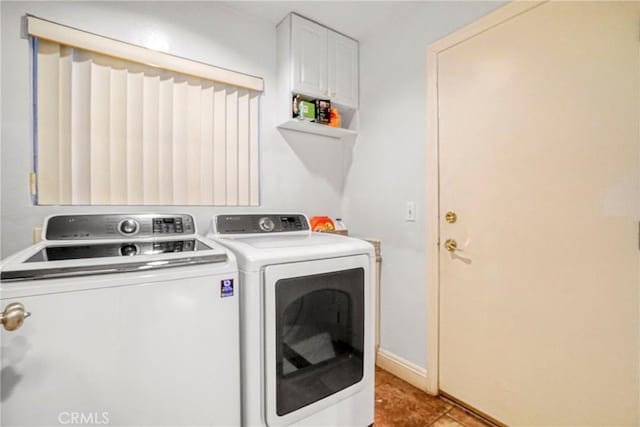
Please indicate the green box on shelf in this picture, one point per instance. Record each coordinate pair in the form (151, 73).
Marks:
(307, 111)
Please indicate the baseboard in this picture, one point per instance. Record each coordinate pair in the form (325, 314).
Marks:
(401, 368)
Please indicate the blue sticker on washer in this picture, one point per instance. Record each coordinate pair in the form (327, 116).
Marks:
(226, 288)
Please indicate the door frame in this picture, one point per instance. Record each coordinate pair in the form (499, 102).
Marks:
(432, 199)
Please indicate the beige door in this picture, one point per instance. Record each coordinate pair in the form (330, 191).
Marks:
(540, 159)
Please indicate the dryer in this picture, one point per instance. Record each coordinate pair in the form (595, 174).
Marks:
(133, 321)
(306, 321)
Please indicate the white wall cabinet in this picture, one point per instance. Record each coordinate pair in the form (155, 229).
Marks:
(321, 63)
(324, 62)
(317, 63)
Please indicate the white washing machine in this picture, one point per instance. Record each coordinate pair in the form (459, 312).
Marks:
(306, 321)
(134, 320)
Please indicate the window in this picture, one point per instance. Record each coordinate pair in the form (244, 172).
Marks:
(118, 124)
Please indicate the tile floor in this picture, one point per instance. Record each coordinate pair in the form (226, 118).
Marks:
(399, 404)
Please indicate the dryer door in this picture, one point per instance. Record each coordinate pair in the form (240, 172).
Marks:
(318, 339)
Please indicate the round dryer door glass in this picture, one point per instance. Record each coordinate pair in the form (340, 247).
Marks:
(319, 336)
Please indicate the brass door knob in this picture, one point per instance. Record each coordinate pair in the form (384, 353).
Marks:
(13, 316)
(451, 245)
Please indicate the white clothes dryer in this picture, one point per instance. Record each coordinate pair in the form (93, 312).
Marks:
(306, 304)
(134, 320)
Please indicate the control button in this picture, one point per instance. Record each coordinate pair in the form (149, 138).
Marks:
(128, 250)
(128, 226)
(266, 224)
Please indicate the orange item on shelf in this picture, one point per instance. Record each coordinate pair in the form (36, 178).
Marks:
(335, 121)
(322, 223)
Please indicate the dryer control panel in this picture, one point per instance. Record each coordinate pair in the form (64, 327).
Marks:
(260, 223)
(117, 226)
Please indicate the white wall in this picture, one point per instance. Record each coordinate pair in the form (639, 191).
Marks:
(296, 175)
(300, 173)
(388, 167)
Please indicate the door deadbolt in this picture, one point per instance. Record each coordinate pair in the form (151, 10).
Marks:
(451, 217)
(13, 316)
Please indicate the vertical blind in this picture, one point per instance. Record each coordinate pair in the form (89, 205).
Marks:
(115, 132)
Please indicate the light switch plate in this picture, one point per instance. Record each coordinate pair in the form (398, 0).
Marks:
(410, 215)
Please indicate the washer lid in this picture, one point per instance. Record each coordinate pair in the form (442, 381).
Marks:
(48, 260)
(59, 252)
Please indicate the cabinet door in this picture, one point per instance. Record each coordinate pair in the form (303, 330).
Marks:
(309, 50)
(343, 69)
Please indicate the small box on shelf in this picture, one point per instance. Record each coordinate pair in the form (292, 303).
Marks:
(317, 110)
(320, 117)
(323, 110)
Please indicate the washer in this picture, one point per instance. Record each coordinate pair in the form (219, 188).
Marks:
(134, 320)
(306, 321)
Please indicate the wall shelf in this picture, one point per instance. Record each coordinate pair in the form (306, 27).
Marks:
(318, 129)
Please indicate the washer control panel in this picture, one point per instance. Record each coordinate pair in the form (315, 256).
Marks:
(113, 226)
(260, 223)
(171, 225)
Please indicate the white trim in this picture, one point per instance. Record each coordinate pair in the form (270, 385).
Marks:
(403, 369)
(432, 201)
(432, 212)
(83, 40)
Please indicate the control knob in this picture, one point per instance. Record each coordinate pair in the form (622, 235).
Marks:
(266, 224)
(128, 226)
